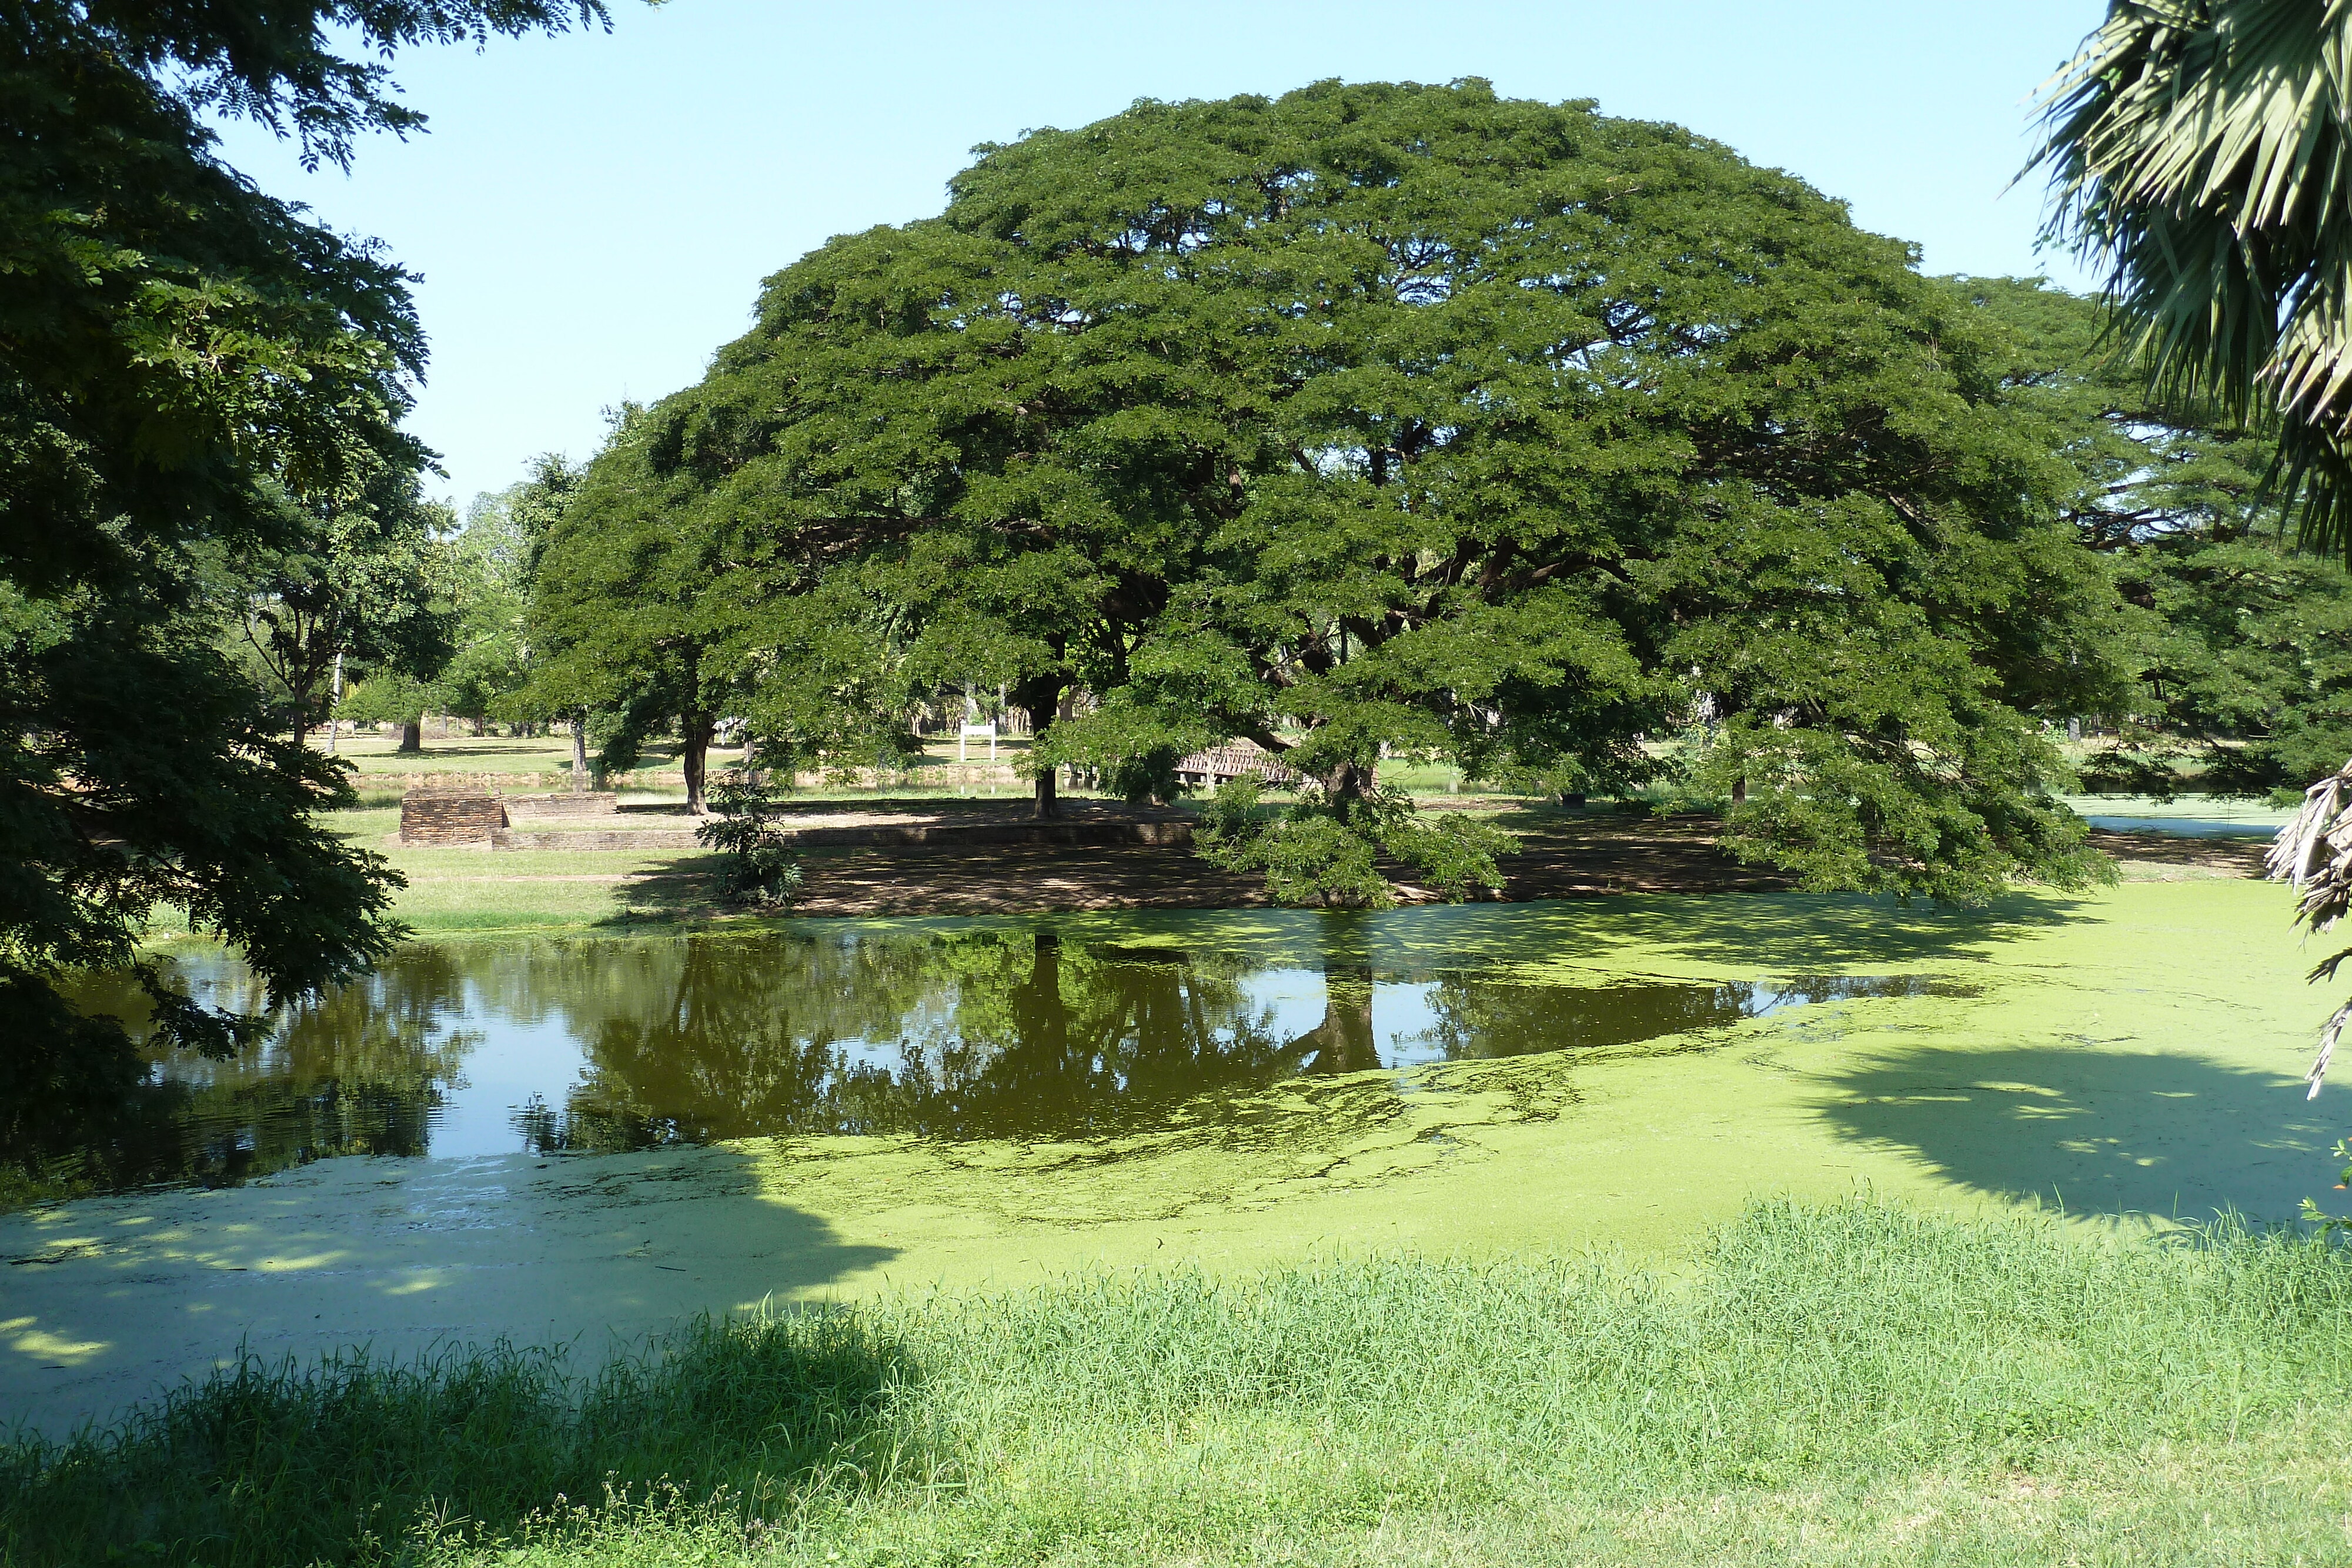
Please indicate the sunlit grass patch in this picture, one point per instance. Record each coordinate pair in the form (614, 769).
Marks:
(1851, 1384)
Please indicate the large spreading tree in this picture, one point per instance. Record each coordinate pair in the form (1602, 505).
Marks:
(189, 372)
(1409, 418)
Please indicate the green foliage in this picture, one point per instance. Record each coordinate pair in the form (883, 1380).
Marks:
(492, 558)
(760, 870)
(1804, 1359)
(373, 583)
(193, 380)
(2199, 148)
(1324, 851)
(2235, 641)
(1412, 417)
(389, 698)
(2253, 667)
(618, 617)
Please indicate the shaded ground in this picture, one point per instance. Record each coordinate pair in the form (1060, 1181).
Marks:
(1561, 855)
(2162, 857)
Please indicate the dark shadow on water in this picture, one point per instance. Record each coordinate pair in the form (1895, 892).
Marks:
(2094, 1129)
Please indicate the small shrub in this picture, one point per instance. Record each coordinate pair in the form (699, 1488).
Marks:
(760, 871)
(1324, 853)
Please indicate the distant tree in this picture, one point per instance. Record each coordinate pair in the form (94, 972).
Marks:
(371, 583)
(180, 356)
(2242, 649)
(491, 560)
(617, 618)
(1413, 418)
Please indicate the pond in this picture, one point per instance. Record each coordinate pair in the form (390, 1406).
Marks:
(946, 1030)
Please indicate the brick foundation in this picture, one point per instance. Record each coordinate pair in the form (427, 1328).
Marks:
(445, 817)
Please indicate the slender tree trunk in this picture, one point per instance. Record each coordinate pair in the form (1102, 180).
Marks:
(412, 734)
(1048, 804)
(579, 751)
(1040, 699)
(334, 703)
(694, 731)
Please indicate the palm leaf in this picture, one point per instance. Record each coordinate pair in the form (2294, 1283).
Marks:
(2202, 150)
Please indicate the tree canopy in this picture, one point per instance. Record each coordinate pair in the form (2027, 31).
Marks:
(1413, 418)
(2236, 639)
(191, 375)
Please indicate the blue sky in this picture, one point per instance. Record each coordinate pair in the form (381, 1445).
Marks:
(592, 214)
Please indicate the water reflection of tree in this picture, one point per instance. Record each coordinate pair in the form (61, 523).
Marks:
(359, 1071)
(1343, 1042)
(982, 1034)
(1480, 1018)
(965, 1034)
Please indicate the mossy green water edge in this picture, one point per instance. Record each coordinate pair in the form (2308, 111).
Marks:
(2131, 1057)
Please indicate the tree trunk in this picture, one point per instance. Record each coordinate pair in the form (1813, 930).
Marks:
(1349, 782)
(1047, 803)
(1343, 1042)
(579, 751)
(1039, 699)
(412, 735)
(694, 756)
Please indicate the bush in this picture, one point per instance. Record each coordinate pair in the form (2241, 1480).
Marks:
(1315, 851)
(760, 871)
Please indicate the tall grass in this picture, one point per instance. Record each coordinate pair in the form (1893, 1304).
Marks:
(1814, 1366)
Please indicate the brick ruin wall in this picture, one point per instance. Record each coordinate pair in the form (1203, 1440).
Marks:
(448, 818)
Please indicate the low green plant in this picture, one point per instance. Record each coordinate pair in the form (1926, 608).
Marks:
(760, 870)
(1317, 852)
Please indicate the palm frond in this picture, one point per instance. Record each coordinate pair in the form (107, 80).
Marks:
(2201, 150)
(2313, 855)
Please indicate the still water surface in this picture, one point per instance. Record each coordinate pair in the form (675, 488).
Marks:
(546, 1046)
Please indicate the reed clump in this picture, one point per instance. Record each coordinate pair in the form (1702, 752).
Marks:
(1856, 1377)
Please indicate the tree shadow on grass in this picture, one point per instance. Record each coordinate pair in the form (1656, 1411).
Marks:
(683, 889)
(2093, 1130)
(339, 1456)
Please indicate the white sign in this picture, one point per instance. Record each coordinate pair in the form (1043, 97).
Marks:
(970, 730)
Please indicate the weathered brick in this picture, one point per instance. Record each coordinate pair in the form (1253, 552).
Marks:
(447, 817)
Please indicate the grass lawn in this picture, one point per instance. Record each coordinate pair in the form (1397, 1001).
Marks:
(374, 755)
(1850, 1385)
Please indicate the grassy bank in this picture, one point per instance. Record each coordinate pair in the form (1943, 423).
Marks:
(1849, 1384)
